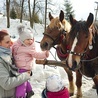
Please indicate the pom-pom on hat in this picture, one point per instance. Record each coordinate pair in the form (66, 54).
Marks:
(54, 83)
(24, 33)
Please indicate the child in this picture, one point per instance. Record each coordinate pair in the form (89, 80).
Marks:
(24, 52)
(55, 88)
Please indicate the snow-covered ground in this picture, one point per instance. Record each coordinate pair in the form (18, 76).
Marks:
(40, 73)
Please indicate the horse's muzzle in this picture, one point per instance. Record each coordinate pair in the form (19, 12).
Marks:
(45, 46)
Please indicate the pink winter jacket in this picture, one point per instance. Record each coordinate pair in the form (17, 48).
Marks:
(24, 55)
(60, 94)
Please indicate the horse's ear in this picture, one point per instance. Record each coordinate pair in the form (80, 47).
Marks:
(50, 16)
(90, 20)
(61, 16)
(72, 20)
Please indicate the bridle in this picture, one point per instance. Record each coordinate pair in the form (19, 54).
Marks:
(79, 54)
(58, 38)
(84, 56)
(74, 53)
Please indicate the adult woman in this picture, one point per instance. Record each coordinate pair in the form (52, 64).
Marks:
(9, 78)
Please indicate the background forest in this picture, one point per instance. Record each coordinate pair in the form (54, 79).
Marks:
(34, 10)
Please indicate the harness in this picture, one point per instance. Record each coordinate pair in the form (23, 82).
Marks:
(59, 39)
(60, 53)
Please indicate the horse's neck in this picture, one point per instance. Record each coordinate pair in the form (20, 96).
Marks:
(63, 45)
(67, 28)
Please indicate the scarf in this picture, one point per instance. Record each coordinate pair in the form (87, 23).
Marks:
(5, 54)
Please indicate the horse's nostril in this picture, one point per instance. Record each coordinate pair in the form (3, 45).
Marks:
(44, 45)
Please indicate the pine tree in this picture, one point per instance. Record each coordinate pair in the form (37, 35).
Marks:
(13, 14)
(68, 9)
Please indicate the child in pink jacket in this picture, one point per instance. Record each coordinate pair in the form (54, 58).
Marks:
(24, 52)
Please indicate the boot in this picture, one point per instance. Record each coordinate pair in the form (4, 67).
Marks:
(30, 94)
(94, 86)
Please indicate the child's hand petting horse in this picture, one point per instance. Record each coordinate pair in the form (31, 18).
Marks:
(47, 53)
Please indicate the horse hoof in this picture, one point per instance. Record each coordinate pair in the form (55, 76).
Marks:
(71, 94)
(94, 86)
(79, 96)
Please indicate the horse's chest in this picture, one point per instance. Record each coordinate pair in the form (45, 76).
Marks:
(90, 68)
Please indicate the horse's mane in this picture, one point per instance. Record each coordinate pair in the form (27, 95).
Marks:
(67, 25)
(79, 26)
(55, 22)
(94, 27)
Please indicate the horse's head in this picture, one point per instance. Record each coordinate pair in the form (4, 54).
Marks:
(78, 39)
(55, 31)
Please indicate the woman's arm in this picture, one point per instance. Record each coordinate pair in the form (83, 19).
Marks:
(7, 82)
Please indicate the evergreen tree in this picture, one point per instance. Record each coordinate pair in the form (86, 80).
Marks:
(13, 14)
(68, 9)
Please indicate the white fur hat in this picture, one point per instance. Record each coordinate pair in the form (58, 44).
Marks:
(24, 33)
(54, 83)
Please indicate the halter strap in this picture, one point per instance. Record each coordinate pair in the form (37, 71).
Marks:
(60, 54)
(57, 39)
(74, 53)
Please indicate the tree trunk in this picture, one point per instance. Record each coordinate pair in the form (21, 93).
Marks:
(45, 14)
(21, 11)
(33, 13)
(8, 12)
(96, 12)
(30, 13)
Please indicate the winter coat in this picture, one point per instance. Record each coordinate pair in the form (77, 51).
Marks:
(9, 78)
(60, 94)
(24, 55)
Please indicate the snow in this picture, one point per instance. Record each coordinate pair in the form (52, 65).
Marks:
(39, 72)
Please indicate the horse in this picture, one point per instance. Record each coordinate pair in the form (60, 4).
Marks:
(83, 48)
(55, 34)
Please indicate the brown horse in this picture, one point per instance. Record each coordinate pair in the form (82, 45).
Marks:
(83, 52)
(55, 34)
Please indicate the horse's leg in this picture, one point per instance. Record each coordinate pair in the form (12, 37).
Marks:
(95, 79)
(78, 84)
(71, 83)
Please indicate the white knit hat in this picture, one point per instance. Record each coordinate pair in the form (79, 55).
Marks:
(54, 83)
(24, 33)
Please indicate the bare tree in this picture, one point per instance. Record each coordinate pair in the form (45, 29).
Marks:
(96, 19)
(21, 11)
(8, 12)
(31, 14)
(45, 12)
